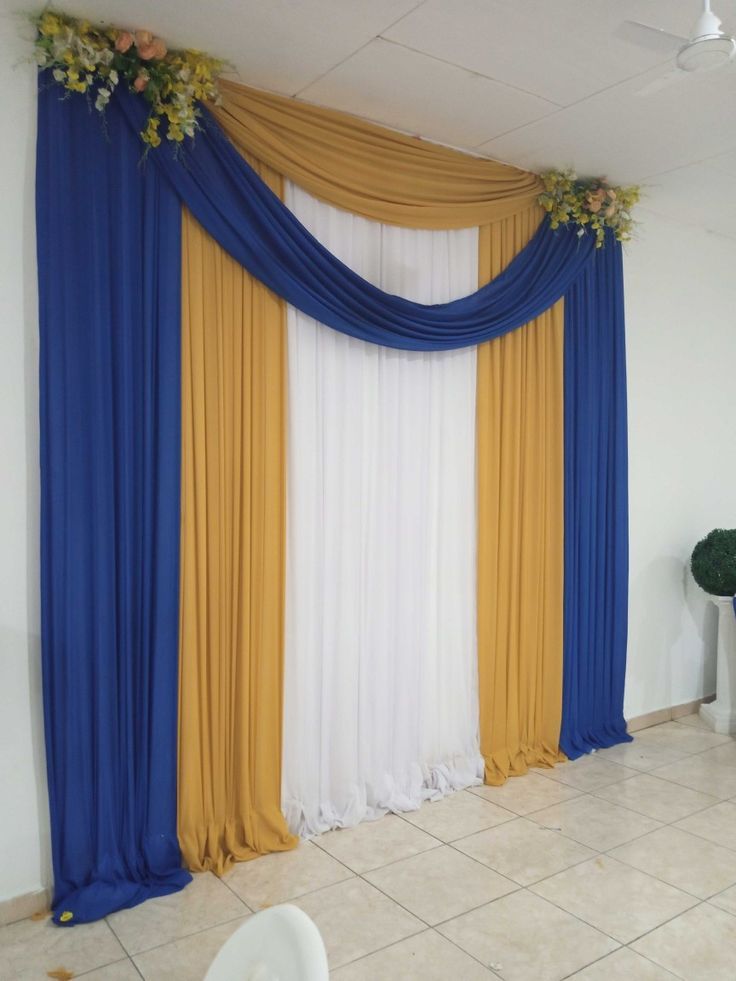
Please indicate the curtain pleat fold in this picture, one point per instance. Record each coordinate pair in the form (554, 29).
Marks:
(232, 559)
(520, 526)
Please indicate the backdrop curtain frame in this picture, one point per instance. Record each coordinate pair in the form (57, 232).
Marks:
(249, 221)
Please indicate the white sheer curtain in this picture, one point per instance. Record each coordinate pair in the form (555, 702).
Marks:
(380, 702)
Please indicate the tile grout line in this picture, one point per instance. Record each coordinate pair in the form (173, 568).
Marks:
(519, 886)
(594, 794)
(184, 936)
(227, 884)
(698, 901)
(102, 967)
(341, 62)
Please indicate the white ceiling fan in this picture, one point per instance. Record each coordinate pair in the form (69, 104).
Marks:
(707, 49)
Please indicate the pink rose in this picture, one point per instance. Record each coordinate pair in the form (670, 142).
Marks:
(123, 41)
(156, 49)
(142, 38)
(141, 82)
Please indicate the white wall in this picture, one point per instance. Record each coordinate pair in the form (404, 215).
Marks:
(681, 298)
(24, 851)
(681, 337)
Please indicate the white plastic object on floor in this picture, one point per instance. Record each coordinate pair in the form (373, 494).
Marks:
(277, 944)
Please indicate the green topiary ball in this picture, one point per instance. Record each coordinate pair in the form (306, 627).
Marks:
(714, 562)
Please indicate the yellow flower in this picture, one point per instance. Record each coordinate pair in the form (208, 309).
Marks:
(81, 57)
(49, 25)
(150, 135)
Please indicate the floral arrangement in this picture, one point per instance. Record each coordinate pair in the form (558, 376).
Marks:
(590, 203)
(96, 59)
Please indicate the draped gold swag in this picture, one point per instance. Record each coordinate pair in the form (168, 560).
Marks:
(371, 171)
(233, 477)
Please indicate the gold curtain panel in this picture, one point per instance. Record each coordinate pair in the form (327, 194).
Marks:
(369, 170)
(233, 497)
(520, 526)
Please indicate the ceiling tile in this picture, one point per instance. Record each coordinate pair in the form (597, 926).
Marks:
(280, 45)
(418, 94)
(562, 51)
(701, 194)
(725, 162)
(630, 136)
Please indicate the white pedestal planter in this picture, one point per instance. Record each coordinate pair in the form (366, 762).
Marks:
(721, 714)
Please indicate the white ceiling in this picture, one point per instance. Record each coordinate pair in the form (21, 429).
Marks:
(536, 83)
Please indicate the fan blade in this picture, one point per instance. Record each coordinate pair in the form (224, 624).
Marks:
(645, 36)
(673, 77)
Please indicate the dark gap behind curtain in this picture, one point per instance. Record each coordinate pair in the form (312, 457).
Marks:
(596, 507)
(109, 293)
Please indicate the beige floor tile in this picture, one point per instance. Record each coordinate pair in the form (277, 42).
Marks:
(724, 755)
(205, 902)
(689, 863)
(373, 844)
(523, 851)
(693, 720)
(524, 938)
(700, 945)
(656, 798)
(717, 824)
(425, 957)
(687, 739)
(616, 899)
(277, 878)
(700, 774)
(640, 755)
(440, 884)
(356, 919)
(457, 816)
(30, 948)
(594, 822)
(528, 793)
(187, 959)
(623, 965)
(725, 900)
(589, 773)
(120, 971)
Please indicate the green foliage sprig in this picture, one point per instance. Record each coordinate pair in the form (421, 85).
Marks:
(713, 562)
(590, 203)
(96, 59)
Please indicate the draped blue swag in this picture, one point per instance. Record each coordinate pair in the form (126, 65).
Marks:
(109, 282)
(109, 296)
